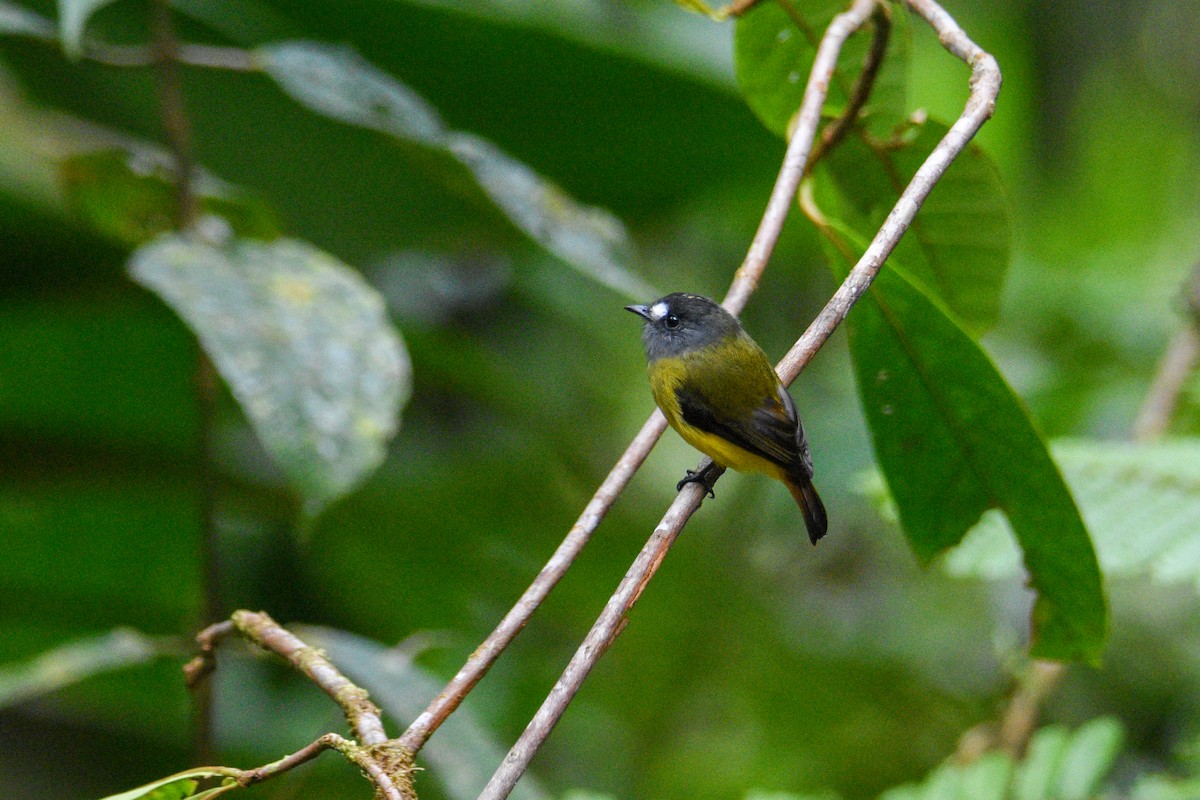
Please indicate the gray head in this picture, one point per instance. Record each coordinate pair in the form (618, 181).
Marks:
(679, 323)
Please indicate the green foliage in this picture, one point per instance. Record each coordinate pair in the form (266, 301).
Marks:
(183, 786)
(953, 441)
(303, 343)
(959, 246)
(1059, 765)
(774, 47)
(1141, 502)
(840, 667)
(128, 196)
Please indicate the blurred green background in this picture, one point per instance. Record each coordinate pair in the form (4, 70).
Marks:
(753, 661)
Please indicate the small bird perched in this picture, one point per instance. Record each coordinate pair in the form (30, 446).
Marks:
(717, 388)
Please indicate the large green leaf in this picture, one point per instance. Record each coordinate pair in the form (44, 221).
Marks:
(336, 82)
(1141, 503)
(953, 440)
(960, 244)
(302, 341)
(775, 44)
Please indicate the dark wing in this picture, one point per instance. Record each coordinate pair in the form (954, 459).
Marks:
(771, 431)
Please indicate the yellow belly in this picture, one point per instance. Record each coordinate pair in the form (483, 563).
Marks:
(725, 452)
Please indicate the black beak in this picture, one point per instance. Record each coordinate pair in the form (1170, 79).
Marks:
(641, 311)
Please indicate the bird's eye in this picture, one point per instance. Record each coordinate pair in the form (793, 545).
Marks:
(671, 321)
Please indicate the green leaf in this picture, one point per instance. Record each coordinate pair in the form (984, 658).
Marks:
(336, 82)
(953, 440)
(986, 778)
(463, 754)
(73, 16)
(1088, 758)
(183, 785)
(775, 44)
(302, 341)
(1037, 774)
(128, 195)
(74, 662)
(1141, 502)
(1163, 787)
(959, 246)
(22, 22)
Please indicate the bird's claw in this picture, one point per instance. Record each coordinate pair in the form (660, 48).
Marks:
(701, 478)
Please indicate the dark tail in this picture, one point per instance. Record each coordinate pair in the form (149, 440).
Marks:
(810, 504)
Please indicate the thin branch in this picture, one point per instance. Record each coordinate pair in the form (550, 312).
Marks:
(305, 754)
(361, 713)
(379, 766)
(386, 763)
(174, 114)
(577, 537)
(981, 103)
(1178, 362)
(861, 91)
(804, 130)
(179, 137)
(193, 55)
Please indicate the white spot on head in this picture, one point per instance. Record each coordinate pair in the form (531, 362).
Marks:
(658, 311)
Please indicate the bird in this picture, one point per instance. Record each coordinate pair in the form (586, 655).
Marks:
(717, 388)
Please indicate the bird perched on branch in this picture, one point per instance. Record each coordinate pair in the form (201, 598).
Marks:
(717, 388)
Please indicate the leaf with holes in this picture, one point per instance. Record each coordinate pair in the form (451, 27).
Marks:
(302, 341)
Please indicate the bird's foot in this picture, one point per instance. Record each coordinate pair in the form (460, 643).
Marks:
(704, 477)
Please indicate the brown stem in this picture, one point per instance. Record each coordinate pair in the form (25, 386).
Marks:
(179, 137)
(1178, 362)
(833, 133)
(361, 713)
(176, 126)
(194, 55)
